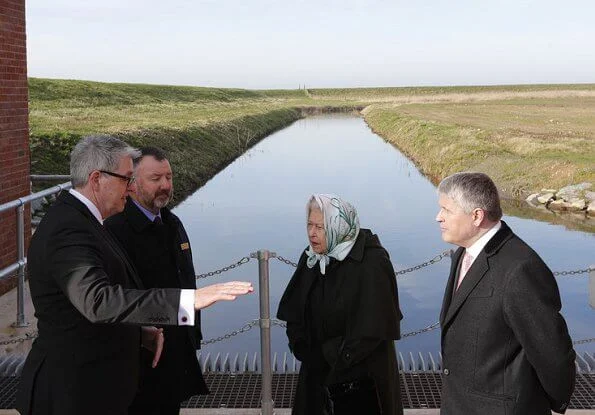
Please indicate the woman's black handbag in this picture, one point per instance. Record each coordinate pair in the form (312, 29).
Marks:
(358, 396)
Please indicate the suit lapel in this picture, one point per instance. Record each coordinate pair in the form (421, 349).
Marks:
(455, 259)
(114, 245)
(67, 198)
(474, 275)
(452, 303)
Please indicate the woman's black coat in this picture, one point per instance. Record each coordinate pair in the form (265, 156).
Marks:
(360, 310)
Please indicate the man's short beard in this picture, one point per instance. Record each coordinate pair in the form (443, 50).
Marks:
(159, 204)
(154, 203)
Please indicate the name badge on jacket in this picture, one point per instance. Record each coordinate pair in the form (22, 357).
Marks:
(185, 246)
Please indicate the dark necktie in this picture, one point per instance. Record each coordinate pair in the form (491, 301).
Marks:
(157, 221)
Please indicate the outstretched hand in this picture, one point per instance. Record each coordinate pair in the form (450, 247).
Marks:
(152, 339)
(228, 291)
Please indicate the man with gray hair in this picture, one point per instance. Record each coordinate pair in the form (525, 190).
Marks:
(505, 346)
(93, 313)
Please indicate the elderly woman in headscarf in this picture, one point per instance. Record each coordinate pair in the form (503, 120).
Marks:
(342, 312)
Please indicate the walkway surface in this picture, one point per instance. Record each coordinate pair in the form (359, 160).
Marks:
(8, 316)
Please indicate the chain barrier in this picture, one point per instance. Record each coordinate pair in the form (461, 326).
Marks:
(28, 336)
(286, 261)
(249, 325)
(274, 322)
(246, 327)
(241, 262)
(583, 341)
(437, 258)
(420, 331)
(580, 271)
(432, 261)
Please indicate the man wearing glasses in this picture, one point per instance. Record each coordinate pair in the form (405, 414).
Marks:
(92, 309)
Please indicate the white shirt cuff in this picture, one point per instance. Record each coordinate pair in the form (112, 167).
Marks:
(186, 311)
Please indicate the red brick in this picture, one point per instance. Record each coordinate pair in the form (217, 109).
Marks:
(14, 128)
(17, 83)
(12, 10)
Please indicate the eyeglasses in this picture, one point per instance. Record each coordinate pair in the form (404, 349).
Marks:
(129, 180)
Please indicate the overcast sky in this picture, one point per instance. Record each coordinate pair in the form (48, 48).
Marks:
(287, 43)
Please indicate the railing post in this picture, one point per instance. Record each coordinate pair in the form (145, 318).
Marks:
(21, 322)
(592, 286)
(265, 332)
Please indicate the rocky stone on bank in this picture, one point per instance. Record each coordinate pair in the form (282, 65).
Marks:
(572, 198)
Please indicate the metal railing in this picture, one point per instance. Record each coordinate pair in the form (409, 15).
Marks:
(21, 263)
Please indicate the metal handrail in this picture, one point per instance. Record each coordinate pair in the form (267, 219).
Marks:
(49, 177)
(21, 263)
(34, 196)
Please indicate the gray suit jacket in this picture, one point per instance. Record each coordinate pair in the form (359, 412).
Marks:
(505, 346)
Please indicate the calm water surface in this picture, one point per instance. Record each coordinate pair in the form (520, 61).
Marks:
(258, 202)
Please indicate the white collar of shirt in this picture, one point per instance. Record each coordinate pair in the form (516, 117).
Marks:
(90, 205)
(475, 249)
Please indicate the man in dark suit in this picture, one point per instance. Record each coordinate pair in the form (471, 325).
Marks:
(505, 346)
(89, 301)
(158, 246)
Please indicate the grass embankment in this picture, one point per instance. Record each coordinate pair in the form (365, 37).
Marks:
(203, 129)
(450, 93)
(523, 144)
(526, 137)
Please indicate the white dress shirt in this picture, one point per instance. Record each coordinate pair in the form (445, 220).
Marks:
(475, 249)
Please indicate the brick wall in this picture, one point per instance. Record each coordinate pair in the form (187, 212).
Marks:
(14, 126)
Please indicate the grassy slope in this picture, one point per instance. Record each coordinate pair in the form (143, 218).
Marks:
(527, 137)
(524, 144)
(203, 129)
(394, 93)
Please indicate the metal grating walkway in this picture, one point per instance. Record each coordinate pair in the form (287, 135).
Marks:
(419, 390)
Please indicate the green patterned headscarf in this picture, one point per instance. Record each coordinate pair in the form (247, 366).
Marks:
(341, 225)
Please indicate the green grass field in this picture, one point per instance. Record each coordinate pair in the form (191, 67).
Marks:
(526, 137)
(524, 144)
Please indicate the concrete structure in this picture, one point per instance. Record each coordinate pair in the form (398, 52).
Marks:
(14, 128)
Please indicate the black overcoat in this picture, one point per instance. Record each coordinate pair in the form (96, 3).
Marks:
(163, 258)
(83, 287)
(360, 311)
(505, 346)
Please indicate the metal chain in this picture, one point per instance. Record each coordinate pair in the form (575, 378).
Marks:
(246, 327)
(583, 341)
(242, 261)
(275, 322)
(437, 258)
(420, 331)
(28, 336)
(580, 271)
(434, 260)
(279, 323)
(431, 327)
(287, 261)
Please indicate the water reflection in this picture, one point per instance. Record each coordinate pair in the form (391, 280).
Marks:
(259, 202)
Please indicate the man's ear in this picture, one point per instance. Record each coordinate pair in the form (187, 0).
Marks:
(478, 216)
(94, 179)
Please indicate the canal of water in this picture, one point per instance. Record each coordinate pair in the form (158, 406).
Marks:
(258, 202)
